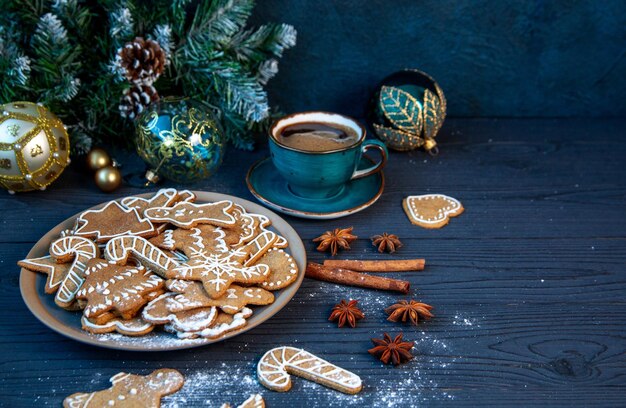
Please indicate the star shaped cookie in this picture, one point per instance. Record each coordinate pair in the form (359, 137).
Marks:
(112, 221)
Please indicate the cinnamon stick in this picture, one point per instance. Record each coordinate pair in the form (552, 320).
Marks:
(399, 265)
(352, 278)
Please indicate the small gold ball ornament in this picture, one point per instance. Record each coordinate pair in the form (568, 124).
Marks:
(34, 147)
(108, 178)
(98, 158)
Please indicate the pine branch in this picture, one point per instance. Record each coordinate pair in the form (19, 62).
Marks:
(56, 61)
(242, 93)
(267, 41)
(219, 20)
(15, 66)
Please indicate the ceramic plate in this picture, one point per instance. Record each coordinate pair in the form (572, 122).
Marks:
(270, 188)
(68, 323)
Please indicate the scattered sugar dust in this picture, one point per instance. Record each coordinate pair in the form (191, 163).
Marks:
(464, 321)
(214, 387)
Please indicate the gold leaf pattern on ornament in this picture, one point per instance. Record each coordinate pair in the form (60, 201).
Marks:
(13, 129)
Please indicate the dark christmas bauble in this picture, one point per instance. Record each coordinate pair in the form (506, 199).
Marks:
(407, 110)
(180, 139)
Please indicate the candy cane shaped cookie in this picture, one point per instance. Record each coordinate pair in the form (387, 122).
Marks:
(275, 366)
(119, 249)
(81, 250)
(259, 246)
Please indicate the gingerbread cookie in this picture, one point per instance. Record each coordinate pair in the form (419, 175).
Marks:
(131, 327)
(223, 324)
(255, 401)
(203, 237)
(119, 249)
(111, 221)
(190, 295)
(431, 210)
(262, 224)
(275, 366)
(131, 391)
(166, 197)
(283, 269)
(56, 272)
(244, 229)
(80, 250)
(186, 195)
(156, 312)
(218, 270)
(259, 246)
(187, 215)
(121, 289)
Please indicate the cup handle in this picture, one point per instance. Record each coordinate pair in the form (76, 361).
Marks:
(367, 145)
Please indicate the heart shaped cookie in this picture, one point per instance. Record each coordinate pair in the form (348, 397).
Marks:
(431, 210)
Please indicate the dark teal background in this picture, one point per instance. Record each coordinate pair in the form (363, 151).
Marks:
(503, 58)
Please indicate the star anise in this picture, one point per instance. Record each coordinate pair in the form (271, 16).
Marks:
(386, 242)
(335, 239)
(346, 312)
(396, 350)
(409, 311)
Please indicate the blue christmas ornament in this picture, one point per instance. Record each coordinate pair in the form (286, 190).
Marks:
(181, 139)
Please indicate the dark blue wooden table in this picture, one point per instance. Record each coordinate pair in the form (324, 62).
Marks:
(528, 285)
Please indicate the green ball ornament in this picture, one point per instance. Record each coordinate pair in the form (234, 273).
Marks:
(180, 139)
(34, 147)
(407, 111)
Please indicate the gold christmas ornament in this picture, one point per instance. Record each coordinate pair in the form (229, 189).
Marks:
(34, 147)
(98, 158)
(108, 178)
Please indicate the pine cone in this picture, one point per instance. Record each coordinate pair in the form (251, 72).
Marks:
(141, 61)
(136, 98)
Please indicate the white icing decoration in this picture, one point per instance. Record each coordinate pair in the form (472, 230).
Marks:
(221, 269)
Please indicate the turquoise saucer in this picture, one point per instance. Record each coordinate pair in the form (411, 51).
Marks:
(268, 186)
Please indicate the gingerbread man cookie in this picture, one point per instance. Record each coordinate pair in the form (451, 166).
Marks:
(111, 221)
(431, 210)
(187, 215)
(130, 391)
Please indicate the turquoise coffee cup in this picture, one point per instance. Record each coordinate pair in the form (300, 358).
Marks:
(324, 174)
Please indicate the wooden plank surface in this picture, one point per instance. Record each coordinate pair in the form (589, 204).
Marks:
(528, 285)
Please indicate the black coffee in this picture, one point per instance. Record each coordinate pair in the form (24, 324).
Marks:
(318, 136)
